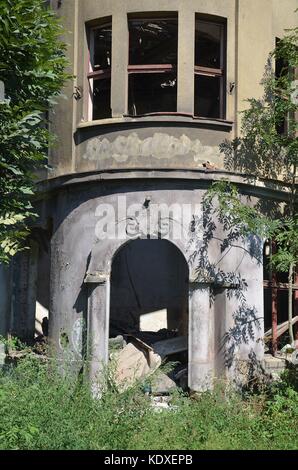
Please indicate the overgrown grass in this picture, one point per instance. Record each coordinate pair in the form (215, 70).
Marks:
(41, 410)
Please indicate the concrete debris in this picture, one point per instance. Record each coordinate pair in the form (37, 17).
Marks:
(275, 377)
(171, 346)
(160, 403)
(117, 343)
(138, 355)
(135, 361)
(209, 166)
(162, 384)
(295, 357)
(274, 364)
(287, 349)
(151, 337)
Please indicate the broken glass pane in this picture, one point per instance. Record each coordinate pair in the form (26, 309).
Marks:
(153, 41)
(208, 44)
(207, 96)
(152, 92)
(102, 48)
(102, 98)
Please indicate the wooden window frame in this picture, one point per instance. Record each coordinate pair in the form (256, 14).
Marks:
(92, 74)
(151, 68)
(215, 72)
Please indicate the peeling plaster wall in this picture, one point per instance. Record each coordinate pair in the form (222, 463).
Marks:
(150, 147)
(76, 250)
(159, 150)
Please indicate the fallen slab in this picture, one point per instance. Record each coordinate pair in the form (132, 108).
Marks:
(170, 346)
(135, 361)
(162, 384)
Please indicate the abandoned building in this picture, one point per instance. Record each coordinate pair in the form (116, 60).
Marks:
(123, 245)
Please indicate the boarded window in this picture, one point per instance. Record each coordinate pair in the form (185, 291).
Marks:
(152, 82)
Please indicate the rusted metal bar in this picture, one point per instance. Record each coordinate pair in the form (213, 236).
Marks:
(281, 285)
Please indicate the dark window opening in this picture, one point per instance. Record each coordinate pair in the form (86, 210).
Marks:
(102, 48)
(101, 98)
(207, 93)
(209, 69)
(153, 42)
(152, 93)
(99, 76)
(152, 69)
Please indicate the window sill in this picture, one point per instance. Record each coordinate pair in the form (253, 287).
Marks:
(175, 118)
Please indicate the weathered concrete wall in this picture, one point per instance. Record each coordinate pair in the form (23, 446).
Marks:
(76, 250)
(24, 288)
(252, 27)
(150, 146)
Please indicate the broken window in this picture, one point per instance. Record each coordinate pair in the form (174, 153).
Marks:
(209, 69)
(152, 69)
(99, 75)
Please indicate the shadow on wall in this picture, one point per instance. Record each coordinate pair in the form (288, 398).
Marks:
(248, 155)
(247, 322)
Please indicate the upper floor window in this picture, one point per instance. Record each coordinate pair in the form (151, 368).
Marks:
(99, 75)
(152, 66)
(209, 69)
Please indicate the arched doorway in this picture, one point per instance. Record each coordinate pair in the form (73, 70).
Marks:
(149, 294)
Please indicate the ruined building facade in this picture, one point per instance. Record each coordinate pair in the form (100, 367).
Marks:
(122, 233)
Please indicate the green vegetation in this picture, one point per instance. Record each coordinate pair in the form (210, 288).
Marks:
(267, 149)
(32, 63)
(42, 410)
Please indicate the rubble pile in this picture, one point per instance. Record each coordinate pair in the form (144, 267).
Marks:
(139, 354)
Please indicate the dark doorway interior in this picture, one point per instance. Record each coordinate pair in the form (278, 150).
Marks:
(149, 294)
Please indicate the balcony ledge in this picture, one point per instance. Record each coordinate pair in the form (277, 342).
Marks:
(175, 119)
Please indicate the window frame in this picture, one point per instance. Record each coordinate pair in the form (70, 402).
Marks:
(214, 72)
(92, 74)
(150, 68)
